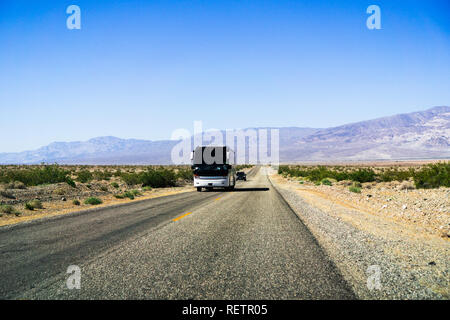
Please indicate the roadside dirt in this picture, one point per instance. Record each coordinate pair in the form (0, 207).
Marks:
(57, 199)
(427, 211)
(410, 246)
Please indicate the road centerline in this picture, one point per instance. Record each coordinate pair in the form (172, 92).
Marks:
(182, 216)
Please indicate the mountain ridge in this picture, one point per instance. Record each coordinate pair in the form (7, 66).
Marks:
(423, 134)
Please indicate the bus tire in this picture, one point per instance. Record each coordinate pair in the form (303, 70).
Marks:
(199, 189)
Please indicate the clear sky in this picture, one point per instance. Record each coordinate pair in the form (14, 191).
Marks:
(141, 69)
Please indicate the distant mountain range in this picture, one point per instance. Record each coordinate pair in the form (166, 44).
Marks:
(417, 135)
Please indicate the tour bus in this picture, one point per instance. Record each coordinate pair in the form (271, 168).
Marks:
(213, 167)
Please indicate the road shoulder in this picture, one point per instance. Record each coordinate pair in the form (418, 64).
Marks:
(412, 265)
(52, 211)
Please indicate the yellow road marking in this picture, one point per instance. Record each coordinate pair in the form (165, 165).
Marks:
(184, 215)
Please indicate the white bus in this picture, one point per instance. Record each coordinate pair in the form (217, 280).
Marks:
(213, 168)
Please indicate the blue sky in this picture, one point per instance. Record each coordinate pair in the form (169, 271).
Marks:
(141, 69)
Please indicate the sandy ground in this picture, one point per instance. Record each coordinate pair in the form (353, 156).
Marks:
(428, 210)
(411, 250)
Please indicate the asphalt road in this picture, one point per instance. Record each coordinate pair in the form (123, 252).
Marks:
(246, 244)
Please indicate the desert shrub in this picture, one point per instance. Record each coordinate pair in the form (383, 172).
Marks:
(59, 191)
(320, 173)
(7, 194)
(102, 175)
(396, 175)
(104, 188)
(37, 204)
(93, 201)
(283, 170)
(115, 185)
(129, 195)
(362, 175)
(131, 179)
(355, 189)
(326, 182)
(406, 185)
(155, 178)
(317, 174)
(340, 175)
(185, 174)
(70, 182)
(84, 176)
(76, 202)
(35, 176)
(33, 204)
(19, 185)
(357, 184)
(147, 188)
(159, 178)
(433, 176)
(6, 209)
(429, 176)
(16, 185)
(28, 206)
(135, 192)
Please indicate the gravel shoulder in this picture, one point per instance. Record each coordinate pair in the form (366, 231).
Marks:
(413, 259)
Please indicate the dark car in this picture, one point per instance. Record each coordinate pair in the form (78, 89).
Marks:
(241, 176)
